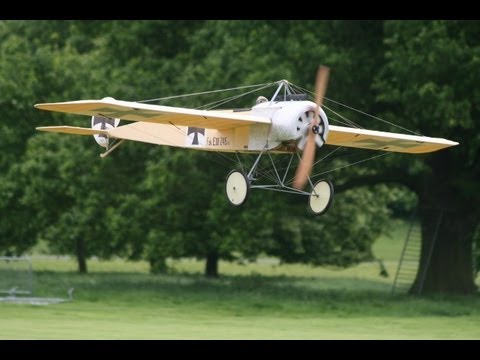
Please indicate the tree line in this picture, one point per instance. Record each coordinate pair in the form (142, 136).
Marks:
(150, 202)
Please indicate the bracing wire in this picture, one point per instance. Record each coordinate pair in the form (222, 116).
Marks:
(373, 117)
(262, 170)
(257, 87)
(354, 163)
(358, 111)
(345, 119)
(203, 93)
(232, 98)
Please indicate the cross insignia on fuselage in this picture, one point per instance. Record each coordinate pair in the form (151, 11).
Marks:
(195, 131)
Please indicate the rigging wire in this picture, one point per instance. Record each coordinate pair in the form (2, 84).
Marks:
(348, 165)
(360, 112)
(373, 117)
(350, 122)
(202, 93)
(347, 121)
(231, 98)
(264, 171)
(214, 104)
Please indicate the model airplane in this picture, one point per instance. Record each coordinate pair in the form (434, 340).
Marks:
(284, 124)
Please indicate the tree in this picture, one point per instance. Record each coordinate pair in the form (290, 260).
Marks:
(415, 69)
(232, 52)
(52, 61)
(342, 237)
(237, 55)
(429, 77)
(19, 87)
(188, 215)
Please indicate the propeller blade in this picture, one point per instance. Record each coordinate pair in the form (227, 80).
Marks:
(301, 143)
(305, 167)
(321, 84)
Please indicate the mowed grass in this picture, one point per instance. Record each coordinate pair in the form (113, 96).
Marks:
(263, 300)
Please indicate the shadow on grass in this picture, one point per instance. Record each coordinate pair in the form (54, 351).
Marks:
(253, 294)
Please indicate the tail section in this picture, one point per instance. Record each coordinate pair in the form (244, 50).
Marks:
(104, 124)
(99, 129)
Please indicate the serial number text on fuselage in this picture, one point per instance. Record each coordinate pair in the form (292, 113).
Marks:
(217, 141)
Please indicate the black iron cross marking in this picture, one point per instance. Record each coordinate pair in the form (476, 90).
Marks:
(195, 131)
(115, 113)
(385, 144)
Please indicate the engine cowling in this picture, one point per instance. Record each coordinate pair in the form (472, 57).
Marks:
(103, 123)
(292, 122)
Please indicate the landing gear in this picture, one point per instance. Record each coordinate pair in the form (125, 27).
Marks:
(237, 187)
(321, 197)
(239, 184)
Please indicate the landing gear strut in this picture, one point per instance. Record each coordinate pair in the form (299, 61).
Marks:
(239, 184)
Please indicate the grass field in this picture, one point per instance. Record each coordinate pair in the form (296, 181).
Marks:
(264, 300)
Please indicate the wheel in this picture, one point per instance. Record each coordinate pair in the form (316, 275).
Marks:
(237, 187)
(321, 197)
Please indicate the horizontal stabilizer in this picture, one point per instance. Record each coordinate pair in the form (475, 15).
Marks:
(73, 130)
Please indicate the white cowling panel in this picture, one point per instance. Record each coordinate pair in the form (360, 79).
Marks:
(290, 121)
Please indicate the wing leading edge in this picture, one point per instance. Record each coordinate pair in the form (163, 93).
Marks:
(385, 141)
(133, 111)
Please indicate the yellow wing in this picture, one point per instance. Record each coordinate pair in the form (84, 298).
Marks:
(386, 141)
(134, 111)
(228, 130)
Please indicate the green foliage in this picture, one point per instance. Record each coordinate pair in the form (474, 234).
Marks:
(342, 237)
(430, 76)
(188, 215)
(476, 250)
(154, 203)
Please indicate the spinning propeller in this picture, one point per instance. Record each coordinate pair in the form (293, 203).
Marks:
(308, 143)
